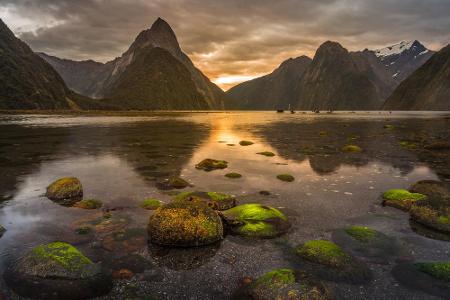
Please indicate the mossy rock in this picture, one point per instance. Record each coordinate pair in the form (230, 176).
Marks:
(430, 188)
(89, 204)
(151, 204)
(57, 271)
(233, 175)
(329, 261)
(430, 277)
(65, 191)
(284, 284)
(211, 164)
(172, 183)
(437, 218)
(215, 200)
(369, 243)
(351, 149)
(246, 143)
(256, 220)
(185, 224)
(266, 153)
(286, 177)
(408, 145)
(401, 199)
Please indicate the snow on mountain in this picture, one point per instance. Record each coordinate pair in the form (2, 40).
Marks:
(395, 49)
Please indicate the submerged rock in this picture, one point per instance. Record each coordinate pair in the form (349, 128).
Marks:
(89, 204)
(65, 191)
(246, 143)
(256, 220)
(57, 271)
(431, 215)
(266, 153)
(233, 175)
(329, 261)
(286, 177)
(284, 284)
(211, 164)
(172, 183)
(430, 277)
(369, 243)
(401, 199)
(151, 204)
(185, 224)
(351, 149)
(215, 200)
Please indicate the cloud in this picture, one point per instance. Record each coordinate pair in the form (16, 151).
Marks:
(232, 38)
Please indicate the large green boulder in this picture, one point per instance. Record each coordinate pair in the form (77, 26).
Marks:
(215, 200)
(65, 191)
(284, 284)
(185, 224)
(57, 271)
(256, 220)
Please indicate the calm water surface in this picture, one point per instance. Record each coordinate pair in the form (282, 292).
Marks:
(119, 159)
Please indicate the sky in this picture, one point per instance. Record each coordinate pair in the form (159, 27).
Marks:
(232, 40)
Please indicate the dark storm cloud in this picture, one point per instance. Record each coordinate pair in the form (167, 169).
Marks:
(226, 38)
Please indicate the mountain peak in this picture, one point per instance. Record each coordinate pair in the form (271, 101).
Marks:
(330, 48)
(161, 25)
(400, 48)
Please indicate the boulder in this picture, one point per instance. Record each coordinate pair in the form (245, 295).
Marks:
(215, 200)
(430, 188)
(172, 183)
(65, 191)
(401, 199)
(57, 271)
(185, 224)
(211, 164)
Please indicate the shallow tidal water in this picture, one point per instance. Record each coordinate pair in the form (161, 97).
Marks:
(119, 159)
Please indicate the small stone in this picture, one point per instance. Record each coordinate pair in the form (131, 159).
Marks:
(286, 177)
(172, 183)
(233, 175)
(211, 164)
(246, 143)
(266, 153)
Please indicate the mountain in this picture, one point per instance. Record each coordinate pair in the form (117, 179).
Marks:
(339, 80)
(107, 80)
(275, 90)
(404, 58)
(428, 88)
(28, 82)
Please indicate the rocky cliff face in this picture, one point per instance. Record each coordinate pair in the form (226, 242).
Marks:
(273, 91)
(104, 80)
(428, 88)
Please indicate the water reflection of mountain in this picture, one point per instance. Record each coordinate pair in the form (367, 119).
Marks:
(321, 142)
(155, 149)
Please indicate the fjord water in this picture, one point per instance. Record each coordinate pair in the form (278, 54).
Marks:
(120, 158)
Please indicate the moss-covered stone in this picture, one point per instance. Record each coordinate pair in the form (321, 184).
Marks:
(151, 204)
(246, 143)
(215, 200)
(233, 175)
(430, 188)
(89, 204)
(351, 149)
(439, 270)
(284, 284)
(172, 183)
(401, 199)
(266, 153)
(362, 234)
(57, 271)
(437, 218)
(256, 220)
(408, 145)
(185, 224)
(286, 177)
(211, 164)
(65, 191)
(328, 260)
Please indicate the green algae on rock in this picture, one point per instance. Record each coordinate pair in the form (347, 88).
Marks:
(57, 271)
(401, 199)
(172, 183)
(256, 220)
(151, 204)
(266, 153)
(233, 175)
(284, 284)
(89, 204)
(330, 261)
(286, 177)
(351, 149)
(185, 224)
(215, 200)
(430, 277)
(65, 191)
(246, 143)
(362, 234)
(211, 164)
